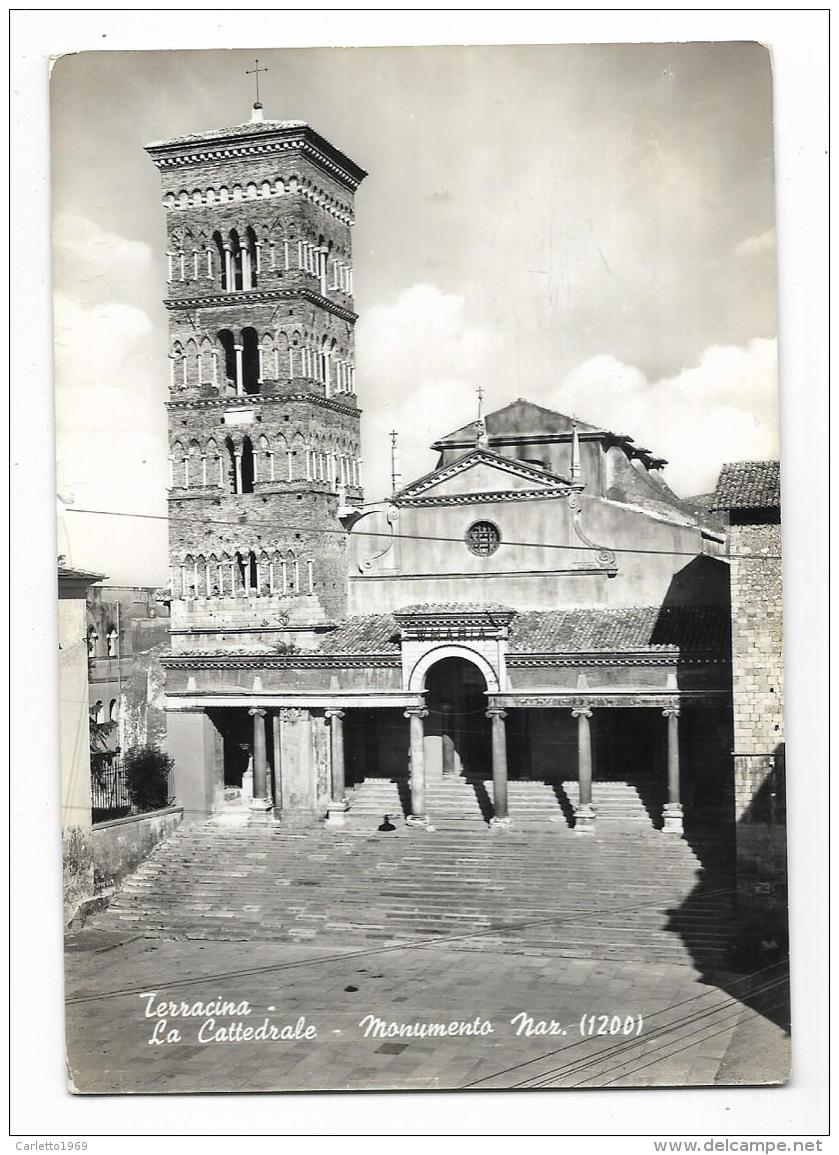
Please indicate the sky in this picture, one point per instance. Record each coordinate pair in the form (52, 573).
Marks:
(589, 227)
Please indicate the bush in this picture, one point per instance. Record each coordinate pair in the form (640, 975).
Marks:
(147, 770)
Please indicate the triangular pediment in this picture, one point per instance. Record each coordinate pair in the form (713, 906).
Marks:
(481, 471)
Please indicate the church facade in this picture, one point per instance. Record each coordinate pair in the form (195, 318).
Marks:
(540, 617)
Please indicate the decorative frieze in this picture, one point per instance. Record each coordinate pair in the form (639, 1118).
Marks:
(244, 297)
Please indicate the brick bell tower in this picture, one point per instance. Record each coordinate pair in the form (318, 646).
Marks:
(263, 417)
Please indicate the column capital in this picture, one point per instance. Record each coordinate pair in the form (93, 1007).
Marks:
(581, 712)
(334, 712)
(671, 712)
(415, 712)
(496, 712)
(259, 711)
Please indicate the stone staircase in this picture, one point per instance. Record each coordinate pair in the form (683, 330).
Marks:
(626, 892)
(459, 803)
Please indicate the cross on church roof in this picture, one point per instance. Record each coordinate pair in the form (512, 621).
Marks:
(255, 73)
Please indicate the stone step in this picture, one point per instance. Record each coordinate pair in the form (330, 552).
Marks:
(629, 893)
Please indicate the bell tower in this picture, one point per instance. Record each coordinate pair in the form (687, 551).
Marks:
(264, 442)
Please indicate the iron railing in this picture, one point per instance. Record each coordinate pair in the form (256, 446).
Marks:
(109, 795)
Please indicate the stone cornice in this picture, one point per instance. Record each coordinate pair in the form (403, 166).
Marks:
(262, 399)
(545, 482)
(574, 571)
(244, 297)
(483, 498)
(221, 661)
(667, 657)
(270, 139)
(641, 697)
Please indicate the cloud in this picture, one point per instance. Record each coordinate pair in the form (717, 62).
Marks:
(419, 362)
(421, 358)
(110, 435)
(723, 409)
(754, 246)
(91, 262)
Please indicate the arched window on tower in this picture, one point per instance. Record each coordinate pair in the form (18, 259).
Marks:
(247, 467)
(228, 347)
(268, 366)
(251, 380)
(192, 467)
(215, 474)
(240, 570)
(177, 362)
(249, 572)
(292, 575)
(178, 465)
(223, 263)
(233, 467)
(235, 260)
(251, 259)
(266, 455)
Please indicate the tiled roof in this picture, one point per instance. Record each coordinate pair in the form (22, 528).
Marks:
(627, 628)
(249, 128)
(562, 631)
(368, 634)
(748, 485)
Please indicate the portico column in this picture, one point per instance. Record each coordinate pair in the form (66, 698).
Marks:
(500, 818)
(673, 814)
(584, 814)
(415, 715)
(338, 804)
(278, 763)
(260, 805)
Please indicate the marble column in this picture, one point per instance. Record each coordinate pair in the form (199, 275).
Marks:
(501, 818)
(338, 804)
(584, 814)
(260, 805)
(673, 814)
(278, 762)
(415, 716)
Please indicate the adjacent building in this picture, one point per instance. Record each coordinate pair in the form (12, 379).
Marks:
(77, 839)
(748, 494)
(127, 631)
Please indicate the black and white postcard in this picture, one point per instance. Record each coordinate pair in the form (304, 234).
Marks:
(419, 575)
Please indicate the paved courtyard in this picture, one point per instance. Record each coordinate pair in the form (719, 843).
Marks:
(523, 1013)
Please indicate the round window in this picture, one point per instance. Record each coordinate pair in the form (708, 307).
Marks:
(483, 538)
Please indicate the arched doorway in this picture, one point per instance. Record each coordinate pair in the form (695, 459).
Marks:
(457, 723)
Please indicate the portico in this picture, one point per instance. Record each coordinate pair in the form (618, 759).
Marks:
(451, 699)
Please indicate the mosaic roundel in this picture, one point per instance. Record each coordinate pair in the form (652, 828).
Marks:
(483, 538)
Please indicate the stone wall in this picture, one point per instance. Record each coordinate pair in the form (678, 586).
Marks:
(121, 845)
(75, 750)
(758, 691)
(757, 636)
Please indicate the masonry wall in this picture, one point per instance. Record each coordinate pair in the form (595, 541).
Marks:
(121, 845)
(758, 693)
(77, 853)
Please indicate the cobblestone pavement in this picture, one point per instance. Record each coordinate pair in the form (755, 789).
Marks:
(693, 1032)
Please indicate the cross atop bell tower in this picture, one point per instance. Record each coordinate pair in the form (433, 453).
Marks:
(256, 115)
(264, 435)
